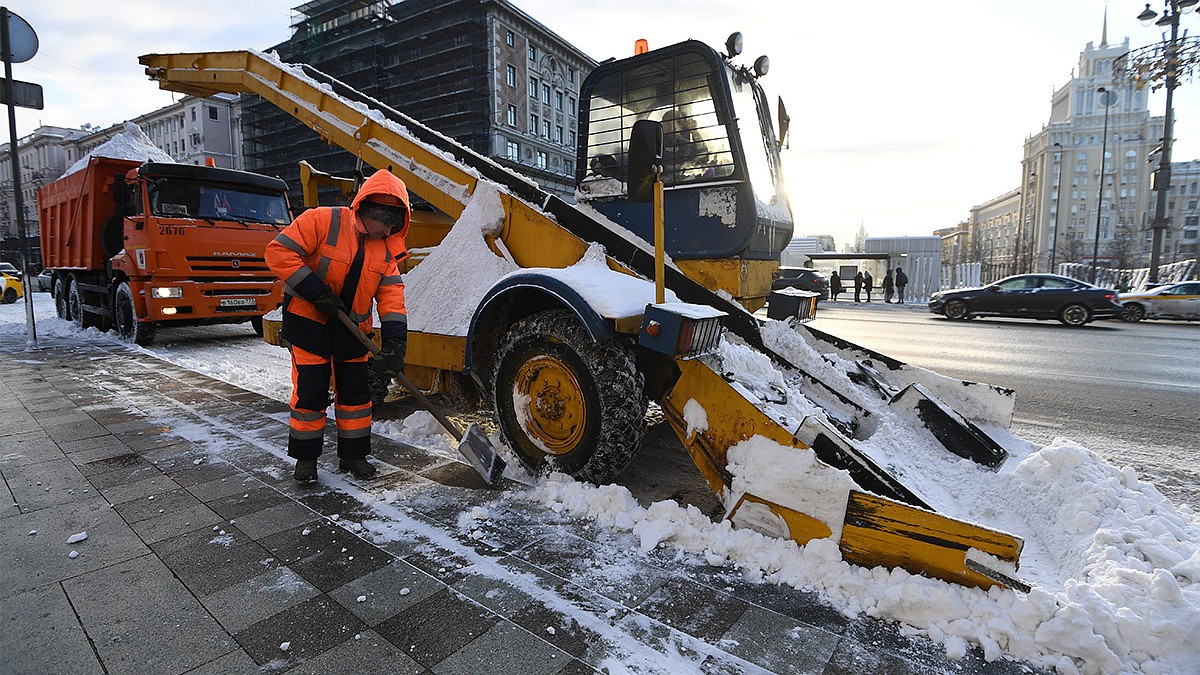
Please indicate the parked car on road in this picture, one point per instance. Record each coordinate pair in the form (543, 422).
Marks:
(44, 281)
(803, 278)
(13, 289)
(1169, 301)
(1030, 296)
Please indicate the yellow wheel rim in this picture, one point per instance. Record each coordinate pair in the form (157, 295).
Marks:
(550, 404)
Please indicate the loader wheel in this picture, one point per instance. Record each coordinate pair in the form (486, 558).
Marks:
(1075, 315)
(566, 403)
(125, 319)
(10, 296)
(75, 307)
(955, 309)
(61, 306)
(1133, 312)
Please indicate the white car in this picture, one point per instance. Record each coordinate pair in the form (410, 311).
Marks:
(1170, 301)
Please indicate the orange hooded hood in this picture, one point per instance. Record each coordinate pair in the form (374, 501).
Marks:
(383, 182)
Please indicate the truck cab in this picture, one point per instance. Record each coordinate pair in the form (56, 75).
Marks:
(726, 210)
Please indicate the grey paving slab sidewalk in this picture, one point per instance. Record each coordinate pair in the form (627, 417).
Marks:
(203, 556)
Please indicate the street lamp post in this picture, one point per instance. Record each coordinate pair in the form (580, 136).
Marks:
(1162, 64)
(1106, 98)
(1057, 205)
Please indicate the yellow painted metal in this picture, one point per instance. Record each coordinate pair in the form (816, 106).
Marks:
(879, 531)
(311, 179)
(659, 254)
(447, 352)
(748, 281)
(553, 404)
(801, 527)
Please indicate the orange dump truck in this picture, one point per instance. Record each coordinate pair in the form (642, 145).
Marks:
(135, 245)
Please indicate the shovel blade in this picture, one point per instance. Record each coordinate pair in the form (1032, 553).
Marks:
(481, 454)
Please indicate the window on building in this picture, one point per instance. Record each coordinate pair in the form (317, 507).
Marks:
(193, 113)
(510, 75)
(510, 38)
(533, 124)
(546, 129)
(571, 138)
(571, 75)
(512, 151)
(533, 51)
(546, 94)
(558, 134)
(558, 100)
(541, 160)
(213, 113)
(512, 115)
(571, 105)
(533, 87)
(1191, 204)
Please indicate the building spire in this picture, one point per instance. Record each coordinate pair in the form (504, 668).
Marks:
(1104, 30)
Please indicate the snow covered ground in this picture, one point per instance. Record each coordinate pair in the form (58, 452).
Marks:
(1115, 566)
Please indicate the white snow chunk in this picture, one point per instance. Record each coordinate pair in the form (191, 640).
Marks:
(73, 554)
(76, 538)
(285, 646)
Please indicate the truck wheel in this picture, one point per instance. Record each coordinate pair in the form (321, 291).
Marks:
(125, 319)
(75, 307)
(61, 307)
(566, 403)
(256, 324)
(10, 296)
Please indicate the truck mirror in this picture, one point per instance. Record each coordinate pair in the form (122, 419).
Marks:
(645, 159)
(785, 121)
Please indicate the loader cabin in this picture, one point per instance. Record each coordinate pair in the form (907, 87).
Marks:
(727, 217)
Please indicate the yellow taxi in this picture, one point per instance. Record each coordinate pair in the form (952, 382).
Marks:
(1170, 301)
(13, 289)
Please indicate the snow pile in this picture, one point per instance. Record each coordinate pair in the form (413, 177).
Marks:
(462, 264)
(131, 144)
(612, 294)
(421, 430)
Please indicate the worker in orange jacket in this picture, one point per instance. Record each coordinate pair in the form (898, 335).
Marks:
(335, 259)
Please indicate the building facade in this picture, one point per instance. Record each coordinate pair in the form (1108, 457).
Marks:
(1086, 175)
(1182, 237)
(482, 72)
(42, 158)
(993, 235)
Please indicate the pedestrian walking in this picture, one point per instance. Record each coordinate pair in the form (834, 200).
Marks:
(868, 284)
(901, 282)
(340, 259)
(835, 286)
(858, 284)
(888, 287)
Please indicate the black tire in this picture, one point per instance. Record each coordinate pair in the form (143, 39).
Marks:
(1075, 314)
(80, 318)
(1133, 312)
(957, 310)
(582, 401)
(61, 306)
(125, 319)
(10, 296)
(256, 324)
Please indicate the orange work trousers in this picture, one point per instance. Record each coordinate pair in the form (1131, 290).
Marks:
(311, 375)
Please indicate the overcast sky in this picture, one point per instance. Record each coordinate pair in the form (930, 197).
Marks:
(904, 114)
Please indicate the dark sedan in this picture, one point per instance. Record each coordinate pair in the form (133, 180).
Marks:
(1030, 296)
(803, 278)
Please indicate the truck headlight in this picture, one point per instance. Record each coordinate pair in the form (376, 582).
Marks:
(166, 292)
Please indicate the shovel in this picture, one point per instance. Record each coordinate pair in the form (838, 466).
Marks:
(473, 444)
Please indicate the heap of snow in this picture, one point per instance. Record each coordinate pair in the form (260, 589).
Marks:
(130, 144)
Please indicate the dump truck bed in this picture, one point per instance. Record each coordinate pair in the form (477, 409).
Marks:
(74, 211)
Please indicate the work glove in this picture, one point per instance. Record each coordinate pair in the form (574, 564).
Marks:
(328, 304)
(390, 359)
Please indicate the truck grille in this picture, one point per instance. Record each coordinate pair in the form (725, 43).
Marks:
(226, 264)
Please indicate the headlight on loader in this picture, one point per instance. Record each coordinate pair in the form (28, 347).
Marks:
(681, 330)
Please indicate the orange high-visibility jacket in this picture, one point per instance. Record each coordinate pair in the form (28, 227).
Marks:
(317, 249)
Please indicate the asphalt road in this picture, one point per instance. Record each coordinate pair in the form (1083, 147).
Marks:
(1130, 392)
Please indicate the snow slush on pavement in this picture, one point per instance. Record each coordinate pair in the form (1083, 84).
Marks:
(873, 481)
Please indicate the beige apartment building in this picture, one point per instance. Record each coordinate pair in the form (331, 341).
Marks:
(994, 236)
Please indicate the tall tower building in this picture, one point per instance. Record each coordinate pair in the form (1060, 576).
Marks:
(1076, 179)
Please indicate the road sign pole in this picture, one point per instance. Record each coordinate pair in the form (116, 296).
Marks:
(18, 198)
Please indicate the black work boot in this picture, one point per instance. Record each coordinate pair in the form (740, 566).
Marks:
(306, 471)
(360, 467)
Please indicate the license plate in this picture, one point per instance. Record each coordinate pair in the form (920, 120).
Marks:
(237, 302)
